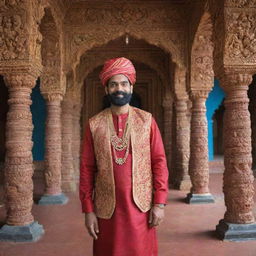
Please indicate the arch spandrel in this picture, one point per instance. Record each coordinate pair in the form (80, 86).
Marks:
(201, 72)
(52, 78)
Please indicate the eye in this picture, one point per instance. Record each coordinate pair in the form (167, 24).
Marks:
(124, 84)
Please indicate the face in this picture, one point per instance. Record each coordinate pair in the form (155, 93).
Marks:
(119, 90)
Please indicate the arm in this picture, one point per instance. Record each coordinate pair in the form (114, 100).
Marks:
(160, 176)
(86, 186)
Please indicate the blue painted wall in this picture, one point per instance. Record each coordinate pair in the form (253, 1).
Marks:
(213, 102)
(38, 110)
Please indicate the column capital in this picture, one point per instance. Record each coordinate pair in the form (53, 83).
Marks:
(199, 94)
(57, 96)
(14, 80)
(232, 80)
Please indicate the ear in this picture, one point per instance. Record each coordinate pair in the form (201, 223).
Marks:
(131, 88)
(106, 89)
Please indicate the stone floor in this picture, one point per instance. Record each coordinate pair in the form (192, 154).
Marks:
(188, 230)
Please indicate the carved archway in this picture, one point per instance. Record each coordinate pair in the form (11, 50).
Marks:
(96, 57)
(163, 27)
(171, 48)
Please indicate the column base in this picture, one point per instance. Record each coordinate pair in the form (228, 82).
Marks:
(27, 233)
(199, 198)
(236, 232)
(53, 199)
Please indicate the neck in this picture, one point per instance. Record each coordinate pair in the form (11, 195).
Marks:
(118, 110)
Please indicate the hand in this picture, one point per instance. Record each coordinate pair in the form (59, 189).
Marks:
(91, 224)
(156, 216)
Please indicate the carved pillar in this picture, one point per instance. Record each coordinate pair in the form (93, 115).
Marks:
(76, 139)
(238, 223)
(68, 175)
(167, 106)
(20, 224)
(182, 144)
(198, 163)
(53, 193)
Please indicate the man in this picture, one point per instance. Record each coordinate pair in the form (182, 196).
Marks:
(123, 176)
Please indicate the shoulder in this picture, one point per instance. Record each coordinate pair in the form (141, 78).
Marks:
(142, 113)
(98, 116)
(98, 119)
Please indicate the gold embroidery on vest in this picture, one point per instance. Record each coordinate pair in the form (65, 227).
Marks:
(141, 162)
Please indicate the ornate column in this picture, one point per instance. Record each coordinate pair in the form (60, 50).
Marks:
(67, 169)
(167, 138)
(76, 140)
(20, 224)
(238, 223)
(182, 180)
(198, 162)
(53, 193)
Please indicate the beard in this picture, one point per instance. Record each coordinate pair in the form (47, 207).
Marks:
(119, 101)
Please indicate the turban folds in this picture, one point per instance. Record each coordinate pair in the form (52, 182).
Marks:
(118, 66)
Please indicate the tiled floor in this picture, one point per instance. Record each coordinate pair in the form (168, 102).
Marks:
(188, 230)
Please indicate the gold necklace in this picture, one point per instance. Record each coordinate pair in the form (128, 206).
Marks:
(119, 144)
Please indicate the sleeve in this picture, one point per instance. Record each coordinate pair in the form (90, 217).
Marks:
(159, 165)
(87, 172)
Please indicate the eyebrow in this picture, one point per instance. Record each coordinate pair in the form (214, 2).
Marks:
(114, 82)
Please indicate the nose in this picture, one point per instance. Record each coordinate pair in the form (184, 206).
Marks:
(119, 87)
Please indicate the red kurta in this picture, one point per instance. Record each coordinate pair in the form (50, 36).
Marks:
(127, 233)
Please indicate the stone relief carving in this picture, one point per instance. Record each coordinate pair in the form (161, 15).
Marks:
(13, 37)
(241, 39)
(126, 14)
(115, 16)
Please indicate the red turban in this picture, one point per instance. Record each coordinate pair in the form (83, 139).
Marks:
(118, 66)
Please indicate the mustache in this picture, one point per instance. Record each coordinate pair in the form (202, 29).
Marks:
(119, 93)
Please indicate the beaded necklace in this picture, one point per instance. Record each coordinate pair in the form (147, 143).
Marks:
(120, 144)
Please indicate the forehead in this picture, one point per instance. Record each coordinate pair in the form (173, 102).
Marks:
(118, 78)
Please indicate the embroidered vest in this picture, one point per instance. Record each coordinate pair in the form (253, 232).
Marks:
(142, 188)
